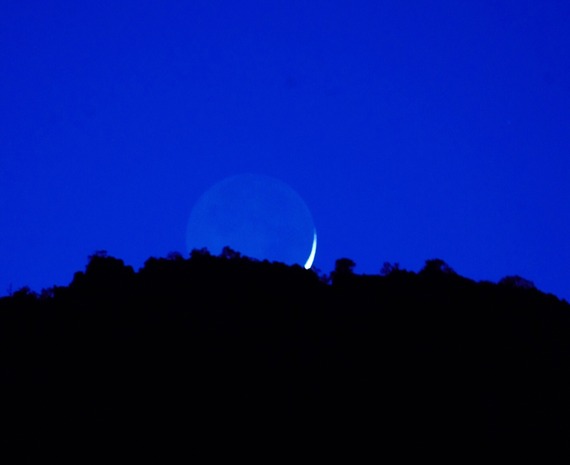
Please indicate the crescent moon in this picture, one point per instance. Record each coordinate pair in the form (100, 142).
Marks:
(313, 252)
(256, 215)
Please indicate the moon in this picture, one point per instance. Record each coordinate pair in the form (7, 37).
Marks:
(259, 216)
(311, 259)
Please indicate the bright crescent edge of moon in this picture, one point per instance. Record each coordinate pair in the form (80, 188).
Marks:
(313, 252)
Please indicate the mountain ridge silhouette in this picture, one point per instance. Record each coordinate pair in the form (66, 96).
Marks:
(240, 353)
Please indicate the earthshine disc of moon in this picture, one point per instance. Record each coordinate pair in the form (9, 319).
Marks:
(256, 215)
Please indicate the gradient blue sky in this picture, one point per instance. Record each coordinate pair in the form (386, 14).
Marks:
(412, 129)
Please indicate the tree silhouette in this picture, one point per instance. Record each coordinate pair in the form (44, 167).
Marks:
(516, 282)
(436, 266)
(229, 253)
(389, 268)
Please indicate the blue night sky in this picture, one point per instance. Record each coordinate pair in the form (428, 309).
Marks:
(412, 130)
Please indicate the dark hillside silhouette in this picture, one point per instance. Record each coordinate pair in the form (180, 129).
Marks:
(225, 355)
